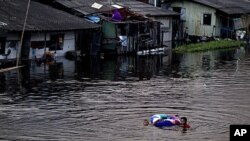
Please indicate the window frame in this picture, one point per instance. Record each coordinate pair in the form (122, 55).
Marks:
(54, 43)
(203, 19)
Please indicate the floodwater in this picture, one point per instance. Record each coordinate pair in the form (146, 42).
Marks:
(107, 99)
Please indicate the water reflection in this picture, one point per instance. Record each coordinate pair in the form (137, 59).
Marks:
(56, 71)
(107, 99)
(123, 68)
(25, 74)
(2, 82)
(186, 64)
(118, 68)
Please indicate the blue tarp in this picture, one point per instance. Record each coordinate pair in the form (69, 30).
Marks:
(94, 19)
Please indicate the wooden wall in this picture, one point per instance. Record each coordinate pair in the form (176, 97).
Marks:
(193, 14)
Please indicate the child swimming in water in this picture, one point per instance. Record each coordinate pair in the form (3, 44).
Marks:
(156, 120)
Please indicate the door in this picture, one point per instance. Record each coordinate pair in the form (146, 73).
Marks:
(2, 45)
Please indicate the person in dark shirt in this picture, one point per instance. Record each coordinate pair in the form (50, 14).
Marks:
(184, 124)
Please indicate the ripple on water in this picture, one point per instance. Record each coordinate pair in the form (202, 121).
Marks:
(86, 109)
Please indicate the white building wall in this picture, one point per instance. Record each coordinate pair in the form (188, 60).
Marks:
(11, 37)
(194, 18)
(166, 24)
(38, 37)
(68, 44)
(218, 26)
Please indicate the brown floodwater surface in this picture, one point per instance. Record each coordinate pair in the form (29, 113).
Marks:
(107, 100)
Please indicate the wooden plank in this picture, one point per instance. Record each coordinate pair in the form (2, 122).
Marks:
(9, 69)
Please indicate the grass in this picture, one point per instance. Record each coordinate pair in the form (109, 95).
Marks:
(207, 46)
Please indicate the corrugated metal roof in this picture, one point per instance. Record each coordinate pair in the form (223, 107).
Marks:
(40, 18)
(84, 6)
(146, 9)
(228, 6)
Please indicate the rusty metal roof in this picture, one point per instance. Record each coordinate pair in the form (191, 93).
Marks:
(228, 6)
(84, 6)
(146, 9)
(40, 17)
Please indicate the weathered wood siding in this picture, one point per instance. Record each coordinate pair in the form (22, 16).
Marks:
(166, 27)
(246, 22)
(218, 25)
(194, 18)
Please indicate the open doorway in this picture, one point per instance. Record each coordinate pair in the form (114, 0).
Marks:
(2, 45)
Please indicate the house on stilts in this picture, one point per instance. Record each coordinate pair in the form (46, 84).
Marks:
(126, 26)
(47, 30)
(201, 19)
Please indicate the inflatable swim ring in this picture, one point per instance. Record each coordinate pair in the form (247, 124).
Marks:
(165, 123)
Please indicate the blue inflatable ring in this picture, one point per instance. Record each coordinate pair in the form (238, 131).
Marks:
(164, 123)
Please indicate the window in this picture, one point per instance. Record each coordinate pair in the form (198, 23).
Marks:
(207, 19)
(12, 43)
(37, 44)
(56, 42)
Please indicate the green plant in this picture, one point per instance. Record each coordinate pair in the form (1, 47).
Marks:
(206, 46)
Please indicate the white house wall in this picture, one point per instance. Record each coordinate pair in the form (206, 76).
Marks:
(166, 24)
(194, 18)
(218, 26)
(40, 36)
(11, 37)
(68, 44)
